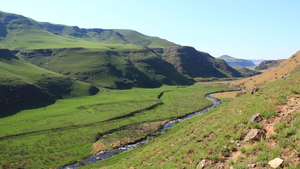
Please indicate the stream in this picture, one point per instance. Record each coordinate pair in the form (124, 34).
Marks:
(167, 125)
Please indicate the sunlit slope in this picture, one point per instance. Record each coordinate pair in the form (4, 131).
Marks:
(23, 85)
(218, 136)
(19, 32)
(281, 71)
(108, 68)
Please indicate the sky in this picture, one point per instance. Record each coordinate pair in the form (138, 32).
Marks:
(248, 29)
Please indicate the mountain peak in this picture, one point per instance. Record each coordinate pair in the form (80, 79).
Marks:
(226, 56)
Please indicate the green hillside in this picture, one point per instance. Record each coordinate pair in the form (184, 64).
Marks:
(235, 62)
(217, 138)
(107, 58)
(23, 85)
(108, 68)
(18, 32)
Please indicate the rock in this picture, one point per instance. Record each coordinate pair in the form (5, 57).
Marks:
(201, 164)
(251, 165)
(275, 163)
(255, 118)
(255, 134)
(253, 90)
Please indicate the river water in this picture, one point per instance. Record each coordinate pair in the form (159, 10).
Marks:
(169, 124)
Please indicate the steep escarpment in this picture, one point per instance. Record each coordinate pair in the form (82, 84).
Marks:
(193, 63)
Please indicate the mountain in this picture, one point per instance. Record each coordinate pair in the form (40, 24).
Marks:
(281, 71)
(130, 68)
(266, 64)
(235, 62)
(19, 32)
(112, 58)
(193, 63)
(25, 86)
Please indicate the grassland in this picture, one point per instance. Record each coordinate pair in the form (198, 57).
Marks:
(24, 85)
(217, 136)
(65, 131)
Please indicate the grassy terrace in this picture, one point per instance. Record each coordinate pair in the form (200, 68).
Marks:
(65, 131)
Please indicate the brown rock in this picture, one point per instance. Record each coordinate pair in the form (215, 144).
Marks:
(201, 164)
(255, 118)
(275, 163)
(255, 134)
(253, 90)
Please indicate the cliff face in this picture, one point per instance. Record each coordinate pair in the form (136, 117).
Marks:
(192, 63)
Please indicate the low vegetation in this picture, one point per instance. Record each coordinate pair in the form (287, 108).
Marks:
(47, 137)
(217, 136)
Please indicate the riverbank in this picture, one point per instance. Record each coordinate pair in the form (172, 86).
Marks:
(107, 154)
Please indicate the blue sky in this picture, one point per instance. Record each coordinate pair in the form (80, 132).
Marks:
(256, 29)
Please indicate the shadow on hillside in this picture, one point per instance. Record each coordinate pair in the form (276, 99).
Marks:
(12, 110)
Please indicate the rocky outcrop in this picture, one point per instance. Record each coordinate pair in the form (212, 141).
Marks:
(192, 63)
(255, 118)
(266, 64)
(255, 134)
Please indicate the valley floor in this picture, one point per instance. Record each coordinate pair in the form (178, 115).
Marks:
(64, 132)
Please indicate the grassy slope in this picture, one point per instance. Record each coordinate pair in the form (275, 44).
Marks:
(279, 72)
(217, 136)
(137, 38)
(17, 75)
(114, 68)
(18, 32)
(64, 132)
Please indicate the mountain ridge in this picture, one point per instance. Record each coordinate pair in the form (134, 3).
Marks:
(235, 62)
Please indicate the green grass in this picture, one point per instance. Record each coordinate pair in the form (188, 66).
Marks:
(24, 85)
(108, 68)
(64, 132)
(25, 33)
(213, 136)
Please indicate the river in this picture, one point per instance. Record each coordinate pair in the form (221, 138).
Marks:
(169, 124)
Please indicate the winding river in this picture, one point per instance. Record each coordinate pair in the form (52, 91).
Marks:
(169, 124)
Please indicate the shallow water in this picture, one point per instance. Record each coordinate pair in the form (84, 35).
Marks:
(167, 125)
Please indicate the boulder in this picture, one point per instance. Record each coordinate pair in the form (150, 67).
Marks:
(255, 118)
(275, 163)
(255, 134)
(253, 90)
(201, 164)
